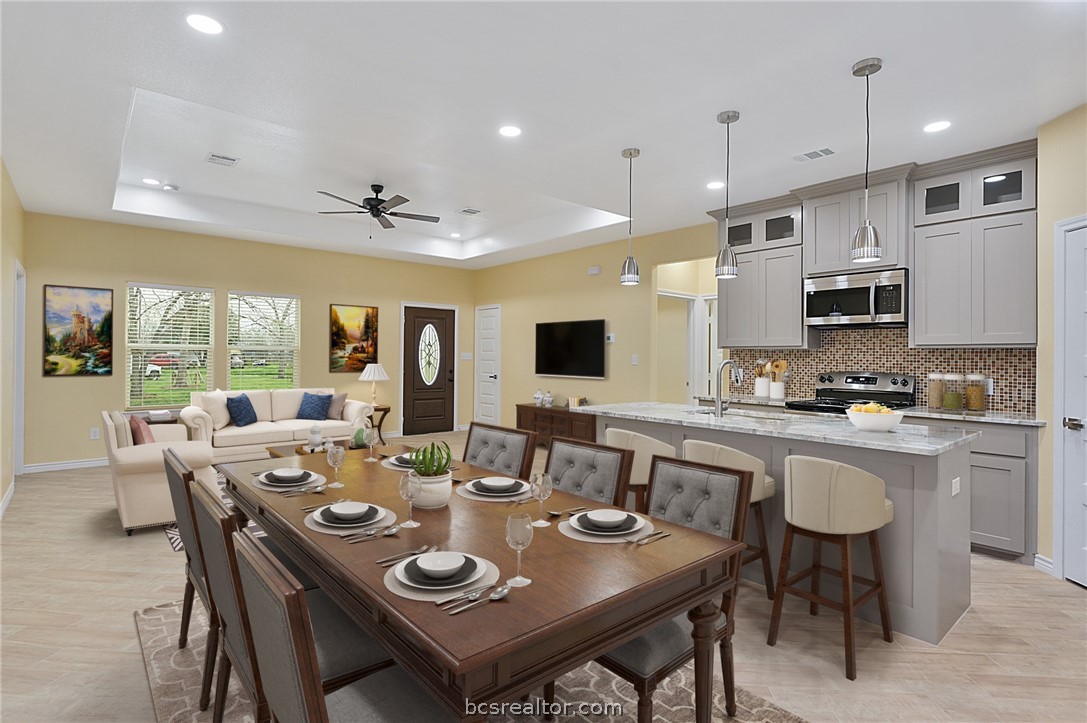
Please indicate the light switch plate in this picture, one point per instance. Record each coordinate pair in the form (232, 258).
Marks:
(956, 486)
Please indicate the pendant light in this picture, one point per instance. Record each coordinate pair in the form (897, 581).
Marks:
(629, 274)
(726, 267)
(866, 247)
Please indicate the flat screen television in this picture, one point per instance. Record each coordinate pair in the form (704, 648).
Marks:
(570, 348)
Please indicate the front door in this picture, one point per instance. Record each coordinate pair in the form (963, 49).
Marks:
(429, 361)
(1074, 415)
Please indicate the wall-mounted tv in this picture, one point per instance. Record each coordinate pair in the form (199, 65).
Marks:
(570, 348)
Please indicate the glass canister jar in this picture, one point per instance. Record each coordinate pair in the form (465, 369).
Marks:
(953, 391)
(936, 390)
(975, 392)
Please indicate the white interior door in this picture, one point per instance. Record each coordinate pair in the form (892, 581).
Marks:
(488, 402)
(1074, 414)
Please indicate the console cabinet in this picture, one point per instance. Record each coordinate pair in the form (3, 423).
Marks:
(548, 422)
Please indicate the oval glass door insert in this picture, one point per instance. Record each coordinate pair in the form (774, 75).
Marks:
(429, 353)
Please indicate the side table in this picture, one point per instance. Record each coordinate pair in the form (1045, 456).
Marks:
(383, 409)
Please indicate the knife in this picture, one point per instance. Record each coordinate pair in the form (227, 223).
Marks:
(655, 538)
(460, 595)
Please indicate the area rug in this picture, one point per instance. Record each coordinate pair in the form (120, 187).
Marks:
(174, 677)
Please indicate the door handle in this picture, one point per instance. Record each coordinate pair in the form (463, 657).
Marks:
(493, 376)
(1073, 423)
(450, 377)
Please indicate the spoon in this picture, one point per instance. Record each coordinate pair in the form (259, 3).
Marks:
(365, 533)
(387, 533)
(496, 595)
(470, 597)
(560, 513)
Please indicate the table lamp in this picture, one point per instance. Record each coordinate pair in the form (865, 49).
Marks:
(374, 373)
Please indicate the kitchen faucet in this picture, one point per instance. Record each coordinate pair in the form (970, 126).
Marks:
(737, 378)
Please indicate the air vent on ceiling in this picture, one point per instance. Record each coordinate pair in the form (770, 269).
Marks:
(470, 211)
(220, 160)
(812, 155)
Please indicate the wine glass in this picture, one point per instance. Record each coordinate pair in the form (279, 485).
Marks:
(410, 487)
(371, 438)
(335, 457)
(540, 488)
(518, 536)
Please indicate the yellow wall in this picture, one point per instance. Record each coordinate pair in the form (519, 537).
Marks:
(61, 410)
(672, 350)
(11, 250)
(1062, 194)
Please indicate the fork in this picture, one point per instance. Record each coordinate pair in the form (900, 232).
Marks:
(645, 538)
(313, 508)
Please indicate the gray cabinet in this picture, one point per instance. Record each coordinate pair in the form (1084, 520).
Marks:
(830, 222)
(756, 232)
(762, 307)
(974, 282)
(998, 488)
(996, 188)
(826, 234)
(737, 305)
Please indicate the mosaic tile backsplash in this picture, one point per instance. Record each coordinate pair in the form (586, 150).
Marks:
(887, 350)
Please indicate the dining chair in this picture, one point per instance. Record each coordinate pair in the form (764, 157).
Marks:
(590, 470)
(762, 488)
(178, 477)
(345, 652)
(285, 647)
(506, 451)
(711, 499)
(644, 448)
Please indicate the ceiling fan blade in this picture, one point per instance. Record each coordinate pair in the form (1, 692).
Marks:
(415, 216)
(362, 211)
(385, 223)
(394, 202)
(341, 198)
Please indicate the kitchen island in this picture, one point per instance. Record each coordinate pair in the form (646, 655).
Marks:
(925, 550)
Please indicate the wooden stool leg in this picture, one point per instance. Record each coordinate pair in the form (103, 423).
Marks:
(881, 596)
(847, 602)
(816, 564)
(186, 612)
(729, 676)
(764, 555)
(779, 594)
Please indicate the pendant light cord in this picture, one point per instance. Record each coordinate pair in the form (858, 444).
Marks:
(728, 159)
(630, 206)
(867, 143)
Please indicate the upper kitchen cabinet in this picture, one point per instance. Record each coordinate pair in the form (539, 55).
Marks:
(768, 224)
(763, 305)
(833, 211)
(1001, 180)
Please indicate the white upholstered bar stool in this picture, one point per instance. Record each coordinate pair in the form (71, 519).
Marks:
(833, 502)
(762, 487)
(644, 449)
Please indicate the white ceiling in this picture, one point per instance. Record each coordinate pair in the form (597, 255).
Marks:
(336, 96)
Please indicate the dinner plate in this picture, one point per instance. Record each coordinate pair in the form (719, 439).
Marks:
(401, 460)
(583, 524)
(496, 484)
(270, 478)
(473, 569)
(479, 490)
(326, 517)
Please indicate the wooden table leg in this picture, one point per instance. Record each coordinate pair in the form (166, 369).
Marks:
(703, 618)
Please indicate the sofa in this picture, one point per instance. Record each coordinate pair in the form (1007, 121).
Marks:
(139, 472)
(277, 422)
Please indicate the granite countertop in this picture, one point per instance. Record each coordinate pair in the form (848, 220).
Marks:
(828, 429)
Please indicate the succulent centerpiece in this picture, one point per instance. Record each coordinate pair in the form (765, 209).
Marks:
(430, 463)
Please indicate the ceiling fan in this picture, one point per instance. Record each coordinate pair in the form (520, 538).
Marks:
(379, 208)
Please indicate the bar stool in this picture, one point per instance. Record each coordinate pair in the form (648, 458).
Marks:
(833, 502)
(644, 449)
(762, 487)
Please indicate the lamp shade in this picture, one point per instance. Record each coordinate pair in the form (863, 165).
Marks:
(629, 274)
(726, 267)
(374, 372)
(866, 247)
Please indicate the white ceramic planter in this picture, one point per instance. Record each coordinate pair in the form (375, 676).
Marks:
(436, 491)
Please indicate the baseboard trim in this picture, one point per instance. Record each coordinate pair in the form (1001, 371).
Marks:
(7, 498)
(462, 428)
(1045, 565)
(60, 466)
(392, 435)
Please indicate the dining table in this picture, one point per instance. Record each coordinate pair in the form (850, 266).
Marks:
(584, 599)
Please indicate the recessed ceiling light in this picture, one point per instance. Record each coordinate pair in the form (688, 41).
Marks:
(204, 24)
(994, 179)
(169, 187)
(714, 185)
(151, 181)
(454, 235)
(510, 131)
(937, 126)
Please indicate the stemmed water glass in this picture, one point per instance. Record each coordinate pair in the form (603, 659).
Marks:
(370, 436)
(540, 488)
(410, 487)
(335, 456)
(518, 536)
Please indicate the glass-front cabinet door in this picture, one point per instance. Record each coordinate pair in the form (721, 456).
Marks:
(1004, 188)
(780, 228)
(741, 234)
(943, 198)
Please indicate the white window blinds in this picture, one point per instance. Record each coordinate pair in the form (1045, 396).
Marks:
(264, 338)
(168, 340)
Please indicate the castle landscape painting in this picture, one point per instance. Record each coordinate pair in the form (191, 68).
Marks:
(78, 331)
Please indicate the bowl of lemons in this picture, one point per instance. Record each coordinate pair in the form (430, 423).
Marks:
(873, 417)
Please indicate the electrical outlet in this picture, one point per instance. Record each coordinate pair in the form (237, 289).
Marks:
(95, 432)
(610, 338)
(989, 386)
(956, 486)
(634, 360)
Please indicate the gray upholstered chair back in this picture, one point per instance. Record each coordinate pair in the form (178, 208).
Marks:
(215, 524)
(282, 636)
(506, 451)
(590, 470)
(178, 477)
(705, 497)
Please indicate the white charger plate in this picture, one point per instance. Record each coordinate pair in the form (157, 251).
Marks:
(638, 524)
(403, 579)
(349, 523)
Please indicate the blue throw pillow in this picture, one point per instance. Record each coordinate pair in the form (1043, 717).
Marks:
(241, 410)
(314, 406)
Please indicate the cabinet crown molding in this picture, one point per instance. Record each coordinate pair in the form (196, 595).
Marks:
(750, 209)
(1000, 154)
(903, 172)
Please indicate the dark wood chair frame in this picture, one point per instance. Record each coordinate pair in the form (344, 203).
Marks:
(626, 464)
(762, 552)
(530, 445)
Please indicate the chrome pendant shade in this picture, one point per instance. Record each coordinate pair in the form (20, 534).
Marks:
(726, 266)
(866, 248)
(629, 276)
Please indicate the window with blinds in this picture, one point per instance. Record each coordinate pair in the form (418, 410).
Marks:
(168, 340)
(264, 340)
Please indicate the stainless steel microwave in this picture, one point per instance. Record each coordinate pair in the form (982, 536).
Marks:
(877, 297)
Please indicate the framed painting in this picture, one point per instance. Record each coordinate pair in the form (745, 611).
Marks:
(352, 337)
(78, 331)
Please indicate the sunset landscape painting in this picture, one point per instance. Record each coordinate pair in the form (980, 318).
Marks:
(352, 335)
